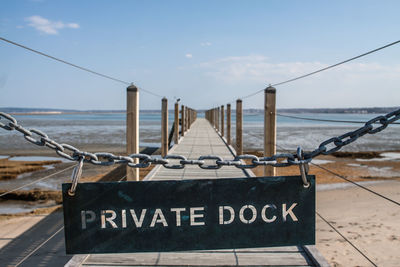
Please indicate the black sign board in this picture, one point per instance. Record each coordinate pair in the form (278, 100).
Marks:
(121, 217)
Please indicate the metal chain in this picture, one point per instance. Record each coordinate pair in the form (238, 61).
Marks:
(209, 162)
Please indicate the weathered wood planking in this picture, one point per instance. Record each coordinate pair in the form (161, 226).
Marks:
(202, 139)
(200, 259)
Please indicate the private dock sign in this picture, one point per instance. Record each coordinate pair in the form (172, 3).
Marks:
(122, 217)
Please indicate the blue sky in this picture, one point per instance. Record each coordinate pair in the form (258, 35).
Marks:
(207, 53)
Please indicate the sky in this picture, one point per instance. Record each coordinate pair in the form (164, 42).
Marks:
(207, 53)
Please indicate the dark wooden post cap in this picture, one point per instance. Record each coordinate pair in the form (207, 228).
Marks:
(132, 88)
(239, 100)
(270, 90)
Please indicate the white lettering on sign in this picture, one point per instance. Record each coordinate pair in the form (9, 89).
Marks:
(221, 214)
(138, 222)
(264, 216)
(84, 219)
(108, 219)
(178, 215)
(158, 217)
(193, 216)
(285, 212)
(123, 218)
(253, 216)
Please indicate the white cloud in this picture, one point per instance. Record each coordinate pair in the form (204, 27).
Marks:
(73, 25)
(205, 44)
(349, 85)
(188, 55)
(46, 26)
(258, 68)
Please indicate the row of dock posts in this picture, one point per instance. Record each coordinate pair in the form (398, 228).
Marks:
(183, 117)
(216, 117)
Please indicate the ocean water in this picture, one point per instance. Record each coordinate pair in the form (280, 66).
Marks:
(109, 129)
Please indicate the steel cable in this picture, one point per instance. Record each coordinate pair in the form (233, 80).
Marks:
(76, 66)
(336, 64)
(36, 181)
(38, 247)
(357, 184)
(348, 180)
(346, 239)
(321, 70)
(323, 120)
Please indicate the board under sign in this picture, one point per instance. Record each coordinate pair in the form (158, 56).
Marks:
(122, 217)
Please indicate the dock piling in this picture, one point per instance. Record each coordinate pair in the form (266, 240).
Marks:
(132, 129)
(164, 127)
(239, 129)
(269, 127)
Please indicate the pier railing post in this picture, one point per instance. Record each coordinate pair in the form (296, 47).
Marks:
(218, 128)
(222, 121)
(164, 127)
(212, 117)
(176, 123)
(228, 124)
(132, 129)
(187, 118)
(215, 118)
(269, 127)
(239, 125)
(183, 120)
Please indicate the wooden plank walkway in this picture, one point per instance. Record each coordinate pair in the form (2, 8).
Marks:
(202, 139)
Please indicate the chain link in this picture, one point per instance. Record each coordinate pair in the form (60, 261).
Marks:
(143, 161)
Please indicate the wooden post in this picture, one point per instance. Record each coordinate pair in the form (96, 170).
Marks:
(214, 118)
(190, 117)
(186, 118)
(183, 120)
(222, 121)
(269, 127)
(176, 123)
(228, 124)
(239, 124)
(164, 127)
(132, 129)
(218, 129)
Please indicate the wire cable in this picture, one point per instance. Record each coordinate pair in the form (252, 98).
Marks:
(36, 181)
(76, 66)
(323, 120)
(348, 180)
(38, 247)
(323, 69)
(336, 64)
(347, 240)
(357, 184)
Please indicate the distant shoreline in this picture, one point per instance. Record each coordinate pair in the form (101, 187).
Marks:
(44, 111)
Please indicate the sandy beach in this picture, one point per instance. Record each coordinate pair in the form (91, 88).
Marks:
(366, 220)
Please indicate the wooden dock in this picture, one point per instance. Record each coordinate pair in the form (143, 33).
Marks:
(202, 139)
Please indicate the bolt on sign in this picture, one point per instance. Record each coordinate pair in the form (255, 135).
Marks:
(113, 217)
